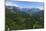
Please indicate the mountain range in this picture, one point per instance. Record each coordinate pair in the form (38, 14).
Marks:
(26, 10)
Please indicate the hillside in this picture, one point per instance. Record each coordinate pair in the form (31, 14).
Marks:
(17, 18)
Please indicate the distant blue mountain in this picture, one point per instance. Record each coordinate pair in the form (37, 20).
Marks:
(27, 10)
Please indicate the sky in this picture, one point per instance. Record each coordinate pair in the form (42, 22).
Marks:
(29, 0)
(24, 4)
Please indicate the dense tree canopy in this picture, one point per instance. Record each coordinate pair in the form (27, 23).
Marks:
(22, 20)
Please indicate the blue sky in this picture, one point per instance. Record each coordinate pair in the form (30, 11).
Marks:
(25, 4)
(28, 0)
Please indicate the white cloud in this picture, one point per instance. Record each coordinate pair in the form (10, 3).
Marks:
(16, 5)
(11, 4)
(8, 3)
(41, 8)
